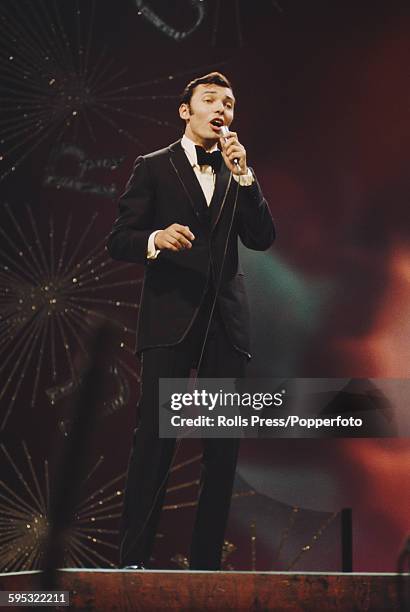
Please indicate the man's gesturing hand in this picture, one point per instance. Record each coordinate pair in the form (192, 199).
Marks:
(175, 238)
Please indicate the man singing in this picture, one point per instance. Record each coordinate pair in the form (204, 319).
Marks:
(181, 214)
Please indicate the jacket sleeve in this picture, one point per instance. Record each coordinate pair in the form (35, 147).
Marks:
(255, 224)
(128, 239)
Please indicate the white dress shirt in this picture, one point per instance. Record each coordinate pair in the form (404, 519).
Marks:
(206, 178)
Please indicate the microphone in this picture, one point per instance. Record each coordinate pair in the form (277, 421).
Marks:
(224, 130)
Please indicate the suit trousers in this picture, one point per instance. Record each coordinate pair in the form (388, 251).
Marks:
(151, 456)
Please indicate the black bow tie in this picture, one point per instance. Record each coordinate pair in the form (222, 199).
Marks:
(209, 159)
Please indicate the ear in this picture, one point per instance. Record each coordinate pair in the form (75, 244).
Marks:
(184, 111)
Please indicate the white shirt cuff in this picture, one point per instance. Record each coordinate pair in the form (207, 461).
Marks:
(245, 180)
(152, 252)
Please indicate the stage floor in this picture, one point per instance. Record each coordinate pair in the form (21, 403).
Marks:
(187, 590)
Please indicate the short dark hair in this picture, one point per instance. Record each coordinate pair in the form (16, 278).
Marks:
(215, 78)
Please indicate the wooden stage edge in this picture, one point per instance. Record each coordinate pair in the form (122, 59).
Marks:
(148, 590)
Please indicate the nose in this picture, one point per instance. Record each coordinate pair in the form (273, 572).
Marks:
(219, 106)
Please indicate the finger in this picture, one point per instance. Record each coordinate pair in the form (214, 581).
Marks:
(168, 244)
(229, 135)
(170, 247)
(230, 147)
(187, 232)
(183, 241)
(226, 140)
(237, 156)
(180, 237)
(226, 145)
(228, 161)
(174, 241)
(234, 147)
(183, 229)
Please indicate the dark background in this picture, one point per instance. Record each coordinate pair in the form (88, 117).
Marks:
(323, 111)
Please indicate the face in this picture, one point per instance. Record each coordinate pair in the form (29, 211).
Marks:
(211, 106)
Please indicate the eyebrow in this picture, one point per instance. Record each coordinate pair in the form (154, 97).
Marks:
(213, 91)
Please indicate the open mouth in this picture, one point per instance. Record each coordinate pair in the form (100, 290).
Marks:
(216, 124)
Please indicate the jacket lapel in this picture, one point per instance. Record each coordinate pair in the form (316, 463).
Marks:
(218, 199)
(189, 182)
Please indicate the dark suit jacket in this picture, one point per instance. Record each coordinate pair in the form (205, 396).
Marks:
(162, 190)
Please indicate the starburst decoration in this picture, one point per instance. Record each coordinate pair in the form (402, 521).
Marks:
(51, 299)
(313, 540)
(228, 548)
(119, 373)
(24, 519)
(56, 85)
